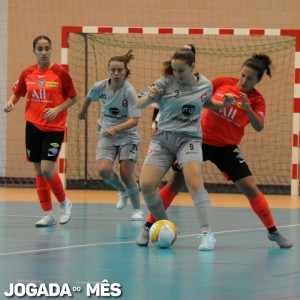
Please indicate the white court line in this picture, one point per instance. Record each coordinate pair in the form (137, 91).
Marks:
(130, 242)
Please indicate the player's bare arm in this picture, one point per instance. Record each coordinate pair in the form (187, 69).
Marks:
(145, 100)
(214, 104)
(84, 108)
(132, 122)
(255, 121)
(51, 113)
(9, 105)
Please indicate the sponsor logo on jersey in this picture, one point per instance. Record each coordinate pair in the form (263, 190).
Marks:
(51, 84)
(240, 106)
(188, 110)
(114, 111)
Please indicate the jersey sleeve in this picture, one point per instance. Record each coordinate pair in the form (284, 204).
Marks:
(131, 96)
(259, 107)
(208, 95)
(217, 82)
(20, 88)
(68, 88)
(94, 92)
(160, 84)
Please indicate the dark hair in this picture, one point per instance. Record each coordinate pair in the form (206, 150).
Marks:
(124, 59)
(260, 63)
(186, 54)
(40, 37)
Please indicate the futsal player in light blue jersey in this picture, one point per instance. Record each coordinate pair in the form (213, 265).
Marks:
(117, 129)
(180, 94)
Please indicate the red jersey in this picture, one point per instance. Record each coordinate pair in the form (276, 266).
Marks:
(226, 126)
(45, 88)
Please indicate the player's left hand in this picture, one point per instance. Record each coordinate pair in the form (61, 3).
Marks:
(110, 132)
(245, 100)
(229, 99)
(50, 113)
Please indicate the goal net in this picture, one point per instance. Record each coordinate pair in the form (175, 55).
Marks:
(268, 153)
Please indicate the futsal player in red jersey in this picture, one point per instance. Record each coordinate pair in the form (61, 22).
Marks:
(222, 132)
(49, 92)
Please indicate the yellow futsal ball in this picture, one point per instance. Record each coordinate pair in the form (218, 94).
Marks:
(163, 234)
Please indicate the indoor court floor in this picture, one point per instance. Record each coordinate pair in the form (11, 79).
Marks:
(95, 256)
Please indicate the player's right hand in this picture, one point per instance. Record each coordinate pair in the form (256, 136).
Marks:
(81, 116)
(154, 91)
(8, 107)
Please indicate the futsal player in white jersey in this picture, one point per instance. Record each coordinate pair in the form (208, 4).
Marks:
(180, 94)
(117, 129)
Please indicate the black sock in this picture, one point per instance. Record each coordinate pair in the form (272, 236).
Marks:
(148, 224)
(272, 229)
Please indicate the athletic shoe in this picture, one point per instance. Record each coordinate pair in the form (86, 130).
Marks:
(280, 239)
(143, 237)
(65, 211)
(207, 241)
(122, 202)
(48, 219)
(137, 215)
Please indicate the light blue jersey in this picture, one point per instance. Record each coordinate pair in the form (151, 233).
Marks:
(179, 134)
(117, 107)
(180, 106)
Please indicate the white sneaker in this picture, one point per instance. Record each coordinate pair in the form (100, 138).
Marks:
(137, 215)
(65, 211)
(143, 237)
(122, 202)
(48, 219)
(207, 241)
(282, 241)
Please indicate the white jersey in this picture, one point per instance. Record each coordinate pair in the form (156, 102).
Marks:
(117, 107)
(181, 106)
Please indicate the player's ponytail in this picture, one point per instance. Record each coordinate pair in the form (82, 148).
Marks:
(187, 54)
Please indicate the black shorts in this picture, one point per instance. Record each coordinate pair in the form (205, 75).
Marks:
(228, 159)
(42, 145)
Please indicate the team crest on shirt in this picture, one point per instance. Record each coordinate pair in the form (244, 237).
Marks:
(41, 82)
(125, 103)
(188, 110)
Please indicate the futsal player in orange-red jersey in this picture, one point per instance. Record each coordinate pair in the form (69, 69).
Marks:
(222, 132)
(49, 92)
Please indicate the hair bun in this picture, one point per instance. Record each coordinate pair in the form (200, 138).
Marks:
(187, 47)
